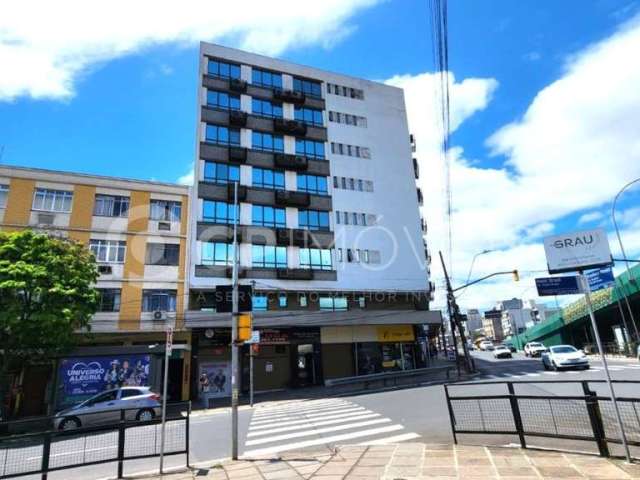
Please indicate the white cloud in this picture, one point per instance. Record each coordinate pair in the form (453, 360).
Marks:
(590, 217)
(575, 146)
(187, 178)
(42, 55)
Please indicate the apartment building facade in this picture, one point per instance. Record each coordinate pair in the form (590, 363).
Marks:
(138, 233)
(329, 230)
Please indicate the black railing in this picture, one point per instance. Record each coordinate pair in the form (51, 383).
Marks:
(39, 446)
(586, 416)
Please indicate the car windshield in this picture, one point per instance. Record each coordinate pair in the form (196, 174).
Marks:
(535, 344)
(564, 349)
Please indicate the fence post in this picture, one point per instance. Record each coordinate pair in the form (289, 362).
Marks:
(187, 433)
(452, 419)
(593, 409)
(46, 451)
(515, 409)
(121, 433)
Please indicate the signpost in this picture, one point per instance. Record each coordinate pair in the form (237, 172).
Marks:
(551, 286)
(579, 251)
(253, 342)
(167, 354)
(600, 279)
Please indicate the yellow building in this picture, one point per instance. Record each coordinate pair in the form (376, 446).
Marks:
(138, 232)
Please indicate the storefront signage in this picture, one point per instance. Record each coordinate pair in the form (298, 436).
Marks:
(82, 377)
(273, 337)
(305, 335)
(268, 367)
(575, 251)
(395, 333)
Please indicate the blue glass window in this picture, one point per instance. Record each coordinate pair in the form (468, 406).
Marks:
(221, 172)
(266, 216)
(313, 220)
(312, 184)
(218, 212)
(263, 177)
(223, 69)
(265, 108)
(310, 116)
(267, 142)
(308, 87)
(268, 256)
(309, 148)
(222, 100)
(315, 259)
(259, 302)
(217, 253)
(265, 78)
(222, 135)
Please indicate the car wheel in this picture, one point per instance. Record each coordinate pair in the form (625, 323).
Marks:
(145, 415)
(544, 365)
(70, 423)
(554, 366)
(587, 367)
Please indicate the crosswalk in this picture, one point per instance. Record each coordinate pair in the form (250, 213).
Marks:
(544, 373)
(310, 423)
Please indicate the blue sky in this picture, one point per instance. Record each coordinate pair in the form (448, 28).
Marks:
(130, 109)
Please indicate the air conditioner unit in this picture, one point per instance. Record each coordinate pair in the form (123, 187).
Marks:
(165, 226)
(105, 269)
(160, 315)
(46, 218)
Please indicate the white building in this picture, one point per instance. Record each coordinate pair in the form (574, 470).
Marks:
(515, 316)
(329, 226)
(474, 320)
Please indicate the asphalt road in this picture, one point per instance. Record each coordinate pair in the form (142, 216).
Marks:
(411, 414)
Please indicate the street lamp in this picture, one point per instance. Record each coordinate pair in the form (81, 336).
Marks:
(624, 255)
(473, 261)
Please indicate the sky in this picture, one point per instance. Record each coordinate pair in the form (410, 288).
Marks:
(544, 104)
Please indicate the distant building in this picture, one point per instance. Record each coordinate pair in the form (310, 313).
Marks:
(474, 320)
(515, 316)
(492, 324)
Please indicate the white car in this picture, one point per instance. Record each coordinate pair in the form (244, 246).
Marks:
(501, 352)
(486, 345)
(534, 349)
(564, 356)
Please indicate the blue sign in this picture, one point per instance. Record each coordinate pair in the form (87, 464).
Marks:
(558, 286)
(82, 377)
(600, 278)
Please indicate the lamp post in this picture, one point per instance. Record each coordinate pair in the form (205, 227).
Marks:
(624, 255)
(473, 261)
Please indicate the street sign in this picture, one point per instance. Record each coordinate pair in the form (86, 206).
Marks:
(575, 251)
(255, 337)
(550, 286)
(600, 279)
(169, 345)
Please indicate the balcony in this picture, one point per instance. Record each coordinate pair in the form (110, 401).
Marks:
(289, 96)
(242, 192)
(237, 154)
(292, 199)
(237, 118)
(416, 168)
(420, 197)
(294, 274)
(237, 85)
(296, 237)
(291, 162)
(289, 127)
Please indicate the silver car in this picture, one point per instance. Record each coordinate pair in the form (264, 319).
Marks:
(564, 356)
(139, 403)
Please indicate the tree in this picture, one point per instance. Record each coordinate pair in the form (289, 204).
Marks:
(47, 295)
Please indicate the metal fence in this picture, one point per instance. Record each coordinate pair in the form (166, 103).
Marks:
(587, 417)
(38, 446)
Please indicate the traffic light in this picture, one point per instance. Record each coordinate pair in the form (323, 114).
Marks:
(244, 327)
(516, 276)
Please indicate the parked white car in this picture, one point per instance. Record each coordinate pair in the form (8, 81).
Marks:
(486, 345)
(502, 352)
(564, 356)
(534, 349)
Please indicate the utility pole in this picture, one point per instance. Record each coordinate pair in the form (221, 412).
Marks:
(235, 357)
(167, 355)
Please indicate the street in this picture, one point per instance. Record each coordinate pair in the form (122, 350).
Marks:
(412, 414)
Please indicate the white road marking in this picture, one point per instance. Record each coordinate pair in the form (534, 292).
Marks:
(395, 439)
(264, 425)
(308, 433)
(322, 441)
(551, 373)
(306, 424)
(305, 406)
(533, 374)
(293, 415)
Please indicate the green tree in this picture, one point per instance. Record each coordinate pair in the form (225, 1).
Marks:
(47, 295)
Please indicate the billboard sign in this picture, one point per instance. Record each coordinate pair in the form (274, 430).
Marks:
(600, 279)
(82, 377)
(214, 380)
(575, 251)
(551, 286)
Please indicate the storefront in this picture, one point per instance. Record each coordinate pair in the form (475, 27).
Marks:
(211, 366)
(366, 349)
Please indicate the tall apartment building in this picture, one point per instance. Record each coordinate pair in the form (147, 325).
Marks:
(138, 233)
(330, 232)
(492, 324)
(474, 320)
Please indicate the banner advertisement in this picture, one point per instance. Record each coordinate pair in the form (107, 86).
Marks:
(214, 380)
(82, 377)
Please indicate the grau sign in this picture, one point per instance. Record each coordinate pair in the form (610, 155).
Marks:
(574, 251)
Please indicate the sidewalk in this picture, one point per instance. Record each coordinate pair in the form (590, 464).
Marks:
(417, 461)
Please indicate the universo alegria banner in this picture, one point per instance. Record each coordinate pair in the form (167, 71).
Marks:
(82, 377)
